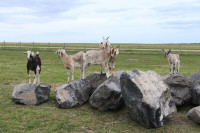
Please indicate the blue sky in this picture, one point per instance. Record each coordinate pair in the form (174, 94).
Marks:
(87, 21)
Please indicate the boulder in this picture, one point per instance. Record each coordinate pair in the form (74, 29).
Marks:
(196, 93)
(195, 77)
(194, 114)
(73, 94)
(180, 87)
(107, 95)
(95, 79)
(119, 73)
(31, 94)
(147, 97)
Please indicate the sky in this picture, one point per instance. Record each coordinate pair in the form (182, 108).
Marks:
(88, 21)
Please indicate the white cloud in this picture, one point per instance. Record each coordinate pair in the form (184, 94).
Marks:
(86, 21)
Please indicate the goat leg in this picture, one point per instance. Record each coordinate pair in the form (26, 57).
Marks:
(72, 72)
(68, 75)
(113, 67)
(29, 78)
(35, 78)
(101, 68)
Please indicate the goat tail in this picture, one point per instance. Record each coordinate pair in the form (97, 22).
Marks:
(37, 53)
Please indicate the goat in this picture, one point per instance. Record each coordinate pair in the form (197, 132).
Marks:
(97, 57)
(173, 60)
(114, 52)
(71, 62)
(33, 64)
(104, 43)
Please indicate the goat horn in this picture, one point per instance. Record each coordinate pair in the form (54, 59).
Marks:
(107, 38)
(103, 38)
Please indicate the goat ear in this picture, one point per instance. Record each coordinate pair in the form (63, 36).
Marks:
(163, 50)
(168, 51)
(117, 52)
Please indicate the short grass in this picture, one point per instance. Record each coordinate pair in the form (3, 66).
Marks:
(47, 117)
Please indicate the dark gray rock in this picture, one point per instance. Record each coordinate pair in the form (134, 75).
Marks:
(119, 73)
(107, 95)
(73, 94)
(95, 79)
(147, 97)
(195, 77)
(196, 93)
(31, 94)
(180, 87)
(194, 114)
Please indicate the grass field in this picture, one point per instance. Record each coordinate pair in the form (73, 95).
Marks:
(48, 118)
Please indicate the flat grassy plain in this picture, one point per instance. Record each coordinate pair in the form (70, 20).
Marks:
(47, 117)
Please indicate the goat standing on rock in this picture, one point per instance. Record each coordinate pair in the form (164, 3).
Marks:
(71, 62)
(33, 64)
(113, 52)
(98, 57)
(173, 60)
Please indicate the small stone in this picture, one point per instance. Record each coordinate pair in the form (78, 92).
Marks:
(194, 114)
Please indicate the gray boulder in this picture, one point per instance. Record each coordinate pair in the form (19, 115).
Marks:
(119, 73)
(195, 77)
(196, 93)
(73, 94)
(147, 97)
(194, 114)
(95, 79)
(31, 94)
(180, 87)
(107, 95)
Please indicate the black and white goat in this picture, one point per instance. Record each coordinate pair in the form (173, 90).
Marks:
(33, 64)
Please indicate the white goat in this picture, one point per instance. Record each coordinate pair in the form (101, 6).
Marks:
(173, 60)
(71, 62)
(104, 43)
(97, 57)
(113, 51)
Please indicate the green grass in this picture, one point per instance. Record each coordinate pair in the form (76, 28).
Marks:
(48, 118)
